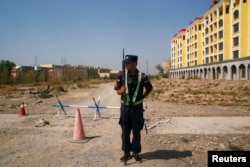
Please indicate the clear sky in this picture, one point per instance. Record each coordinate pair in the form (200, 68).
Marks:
(93, 32)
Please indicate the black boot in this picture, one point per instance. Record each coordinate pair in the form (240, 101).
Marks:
(137, 158)
(126, 157)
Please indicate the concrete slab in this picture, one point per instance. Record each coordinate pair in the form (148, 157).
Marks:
(205, 125)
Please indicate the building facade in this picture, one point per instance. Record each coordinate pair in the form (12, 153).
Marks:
(215, 46)
(57, 73)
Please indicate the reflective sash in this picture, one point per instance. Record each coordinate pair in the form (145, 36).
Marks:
(134, 102)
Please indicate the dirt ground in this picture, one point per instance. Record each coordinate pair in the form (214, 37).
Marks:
(184, 118)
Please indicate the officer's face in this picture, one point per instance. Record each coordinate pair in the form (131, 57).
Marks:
(130, 66)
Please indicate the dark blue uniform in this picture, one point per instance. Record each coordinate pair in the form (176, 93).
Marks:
(132, 118)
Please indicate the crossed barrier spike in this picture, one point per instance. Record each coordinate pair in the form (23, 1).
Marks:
(96, 106)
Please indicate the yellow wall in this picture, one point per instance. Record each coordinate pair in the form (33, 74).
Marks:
(199, 45)
(194, 43)
(173, 52)
(184, 50)
(227, 31)
(244, 29)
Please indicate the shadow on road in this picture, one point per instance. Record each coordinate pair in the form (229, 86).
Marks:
(165, 154)
(92, 137)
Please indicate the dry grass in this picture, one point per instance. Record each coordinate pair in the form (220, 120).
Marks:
(206, 92)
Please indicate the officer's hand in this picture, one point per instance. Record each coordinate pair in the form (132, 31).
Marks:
(121, 90)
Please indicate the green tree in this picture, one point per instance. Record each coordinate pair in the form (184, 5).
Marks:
(159, 68)
(6, 67)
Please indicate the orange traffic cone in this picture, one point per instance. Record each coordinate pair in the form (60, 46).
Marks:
(78, 135)
(22, 110)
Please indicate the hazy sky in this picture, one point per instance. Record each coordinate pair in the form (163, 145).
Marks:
(93, 32)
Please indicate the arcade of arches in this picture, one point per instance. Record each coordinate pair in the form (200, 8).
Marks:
(232, 70)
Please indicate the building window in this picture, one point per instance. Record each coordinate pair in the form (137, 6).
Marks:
(207, 60)
(221, 34)
(236, 27)
(220, 57)
(227, 9)
(236, 41)
(206, 31)
(199, 27)
(221, 46)
(195, 45)
(236, 3)
(236, 54)
(207, 50)
(244, 1)
(207, 40)
(220, 13)
(221, 23)
(236, 14)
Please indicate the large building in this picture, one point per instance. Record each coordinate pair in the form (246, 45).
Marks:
(215, 46)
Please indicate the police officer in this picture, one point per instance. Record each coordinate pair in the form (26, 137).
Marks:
(132, 120)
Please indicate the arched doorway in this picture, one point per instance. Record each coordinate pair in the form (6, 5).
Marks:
(213, 74)
(248, 72)
(205, 73)
(201, 74)
(218, 72)
(234, 72)
(225, 72)
(242, 72)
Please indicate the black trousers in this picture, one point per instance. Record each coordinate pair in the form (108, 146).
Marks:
(131, 120)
